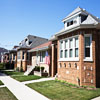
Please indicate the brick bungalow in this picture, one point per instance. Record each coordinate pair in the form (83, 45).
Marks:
(38, 56)
(78, 46)
(13, 57)
(23, 57)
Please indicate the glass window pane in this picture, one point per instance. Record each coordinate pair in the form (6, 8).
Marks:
(71, 52)
(87, 41)
(87, 52)
(61, 45)
(76, 42)
(66, 53)
(66, 44)
(71, 43)
(61, 54)
(76, 52)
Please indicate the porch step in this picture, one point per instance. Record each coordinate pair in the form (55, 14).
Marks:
(29, 70)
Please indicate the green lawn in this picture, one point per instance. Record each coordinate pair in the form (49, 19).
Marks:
(12, 73)
(60, 91)
(1, 83)
(26, 78)
(5, 94)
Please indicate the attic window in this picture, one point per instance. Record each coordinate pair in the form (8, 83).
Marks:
(69, 23)
(30, 42)
(25, 40)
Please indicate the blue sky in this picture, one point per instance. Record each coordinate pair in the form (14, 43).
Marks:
(18, 18)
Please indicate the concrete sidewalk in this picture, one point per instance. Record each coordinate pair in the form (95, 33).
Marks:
(21, 91)
(39, 80)
(97, 98)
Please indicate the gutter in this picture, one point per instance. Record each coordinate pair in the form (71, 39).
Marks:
(38, 49)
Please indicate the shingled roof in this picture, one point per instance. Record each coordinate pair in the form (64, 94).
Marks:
(42, 46)
(35, 41)
(90, 21)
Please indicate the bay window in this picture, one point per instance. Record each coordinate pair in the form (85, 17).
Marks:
(69, 48)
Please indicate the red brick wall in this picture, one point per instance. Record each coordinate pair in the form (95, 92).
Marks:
(71, 74)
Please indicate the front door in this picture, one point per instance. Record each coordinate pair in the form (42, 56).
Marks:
(33, 60)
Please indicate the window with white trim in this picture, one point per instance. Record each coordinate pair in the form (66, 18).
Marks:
(42, 56)
(69, 48)
(19, 55)
(88, 46)
(76, 47)
(66, 48)
(61, 49)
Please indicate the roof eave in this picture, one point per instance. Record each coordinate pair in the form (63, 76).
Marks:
(39, 49)
(76, 28)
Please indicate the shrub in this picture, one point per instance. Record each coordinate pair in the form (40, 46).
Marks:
(37, 68)
(2, 65)
(17, 69)
(42, 68)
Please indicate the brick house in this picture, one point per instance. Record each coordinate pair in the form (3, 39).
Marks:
(13, 57)
(78, 46)
(23, 57)
(38, 57)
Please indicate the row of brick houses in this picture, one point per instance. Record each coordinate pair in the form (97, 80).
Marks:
(73, 51)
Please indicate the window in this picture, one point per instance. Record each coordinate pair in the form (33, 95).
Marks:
(67, 24)
(69, 48)
(61, 49)
(18, 55)
(42, 56)
(14, 57)
(23, 55)
(30, 42)
(88, 46)
(28, 55)
(66, 48)
(76, 47)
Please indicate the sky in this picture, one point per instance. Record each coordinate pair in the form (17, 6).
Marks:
(19, 18)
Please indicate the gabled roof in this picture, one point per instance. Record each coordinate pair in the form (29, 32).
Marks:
(42, 46)
(78, 9)
(90, 21)
(35, 42)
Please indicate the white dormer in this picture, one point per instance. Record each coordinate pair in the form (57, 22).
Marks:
(75, 18)
(72, 22)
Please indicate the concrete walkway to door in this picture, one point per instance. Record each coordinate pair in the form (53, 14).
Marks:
(21, 91)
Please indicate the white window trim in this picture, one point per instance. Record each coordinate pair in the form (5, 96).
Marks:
(88, 58)
(19, 59)
(40, 57)
(69, 58)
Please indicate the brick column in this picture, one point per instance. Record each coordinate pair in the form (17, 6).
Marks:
(52, 67)
(15, 62)
(81, 54)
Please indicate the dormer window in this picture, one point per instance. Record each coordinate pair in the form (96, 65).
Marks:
(25, 40)
(30, 42)
(70, 23)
